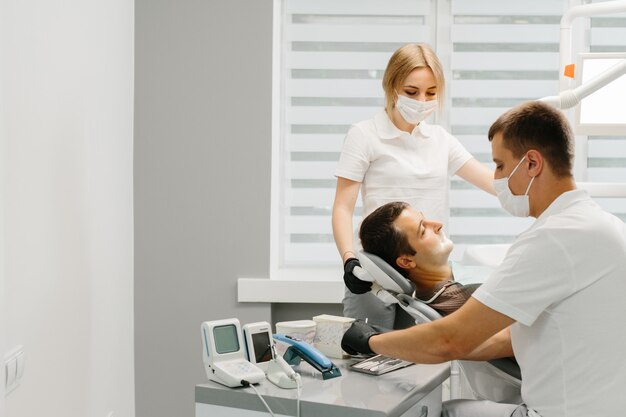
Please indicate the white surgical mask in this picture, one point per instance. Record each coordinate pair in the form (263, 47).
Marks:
(414, 111)
(517, 205)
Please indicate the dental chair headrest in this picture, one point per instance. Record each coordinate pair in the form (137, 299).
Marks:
(384, 274)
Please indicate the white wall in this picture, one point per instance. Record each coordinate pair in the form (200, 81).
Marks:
(67, 107)
(3, 311)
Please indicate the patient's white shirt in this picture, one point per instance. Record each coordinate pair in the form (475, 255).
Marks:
(393, 165)
(564, 282)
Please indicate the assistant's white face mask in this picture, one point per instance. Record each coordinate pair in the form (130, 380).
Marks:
(414, 111)
(517, 205)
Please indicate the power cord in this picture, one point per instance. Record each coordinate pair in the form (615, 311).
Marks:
(247, 384)
(298, 392)
(298, 380)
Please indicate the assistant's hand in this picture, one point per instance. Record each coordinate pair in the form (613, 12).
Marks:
(356, 339)
(354, 284)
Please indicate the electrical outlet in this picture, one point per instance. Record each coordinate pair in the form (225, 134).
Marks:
(13, 368)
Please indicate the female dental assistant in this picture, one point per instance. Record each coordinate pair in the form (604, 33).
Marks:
(397, 156)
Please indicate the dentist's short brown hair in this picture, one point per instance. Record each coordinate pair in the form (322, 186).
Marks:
(537, 125)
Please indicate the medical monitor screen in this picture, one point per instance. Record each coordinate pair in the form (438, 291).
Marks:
(262, 348)
(226, 339)
(602, 112)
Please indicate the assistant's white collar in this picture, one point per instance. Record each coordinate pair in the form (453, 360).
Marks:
(387, 130)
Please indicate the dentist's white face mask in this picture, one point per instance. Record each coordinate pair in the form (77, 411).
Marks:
(414, 111)
(517, 205)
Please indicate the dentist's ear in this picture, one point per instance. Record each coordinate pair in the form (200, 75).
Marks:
(535, 162)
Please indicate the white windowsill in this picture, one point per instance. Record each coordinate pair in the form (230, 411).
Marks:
(312, 285)
(325, 284)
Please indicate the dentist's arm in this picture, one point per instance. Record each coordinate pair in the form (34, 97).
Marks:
(457, 336)
(497, 346)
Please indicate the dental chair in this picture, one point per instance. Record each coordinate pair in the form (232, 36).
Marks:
(497, 380)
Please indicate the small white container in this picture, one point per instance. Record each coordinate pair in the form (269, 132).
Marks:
(300, 329)
(330, 331)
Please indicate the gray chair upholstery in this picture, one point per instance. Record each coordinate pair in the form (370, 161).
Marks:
(498, 380)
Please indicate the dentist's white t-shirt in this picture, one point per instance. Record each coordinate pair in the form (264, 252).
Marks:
(564, 282)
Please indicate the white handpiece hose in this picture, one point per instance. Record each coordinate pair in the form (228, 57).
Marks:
(285, 367)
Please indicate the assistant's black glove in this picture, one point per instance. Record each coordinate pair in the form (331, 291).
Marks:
(356, 339)
(354, 284)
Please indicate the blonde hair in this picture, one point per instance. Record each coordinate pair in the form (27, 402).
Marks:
(403, 62)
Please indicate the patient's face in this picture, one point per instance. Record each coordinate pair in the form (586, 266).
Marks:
(426, 237)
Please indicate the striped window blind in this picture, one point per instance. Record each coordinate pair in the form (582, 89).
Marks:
(333, 55)
(503, 53)
(606, 155)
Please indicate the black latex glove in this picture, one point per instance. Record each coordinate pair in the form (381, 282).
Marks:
(356, 339)
(354, 284)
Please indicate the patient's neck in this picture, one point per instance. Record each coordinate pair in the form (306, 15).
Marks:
(426, 278)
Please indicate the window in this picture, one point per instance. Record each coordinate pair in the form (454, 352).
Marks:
(334, 54)
(331, 56)
(605, 156)
(502, 54)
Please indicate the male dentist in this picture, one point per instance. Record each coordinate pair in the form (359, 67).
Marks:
(556, 302)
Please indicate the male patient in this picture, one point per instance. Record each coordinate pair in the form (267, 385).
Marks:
(418, 249)
(557, 298)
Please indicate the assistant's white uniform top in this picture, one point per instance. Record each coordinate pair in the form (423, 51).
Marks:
(393, 165)
(564, 282)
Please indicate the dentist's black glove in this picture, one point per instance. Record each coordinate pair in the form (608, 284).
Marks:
(356, 339)
(354, 284)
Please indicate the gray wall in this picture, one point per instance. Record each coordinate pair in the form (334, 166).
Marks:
(202, 182)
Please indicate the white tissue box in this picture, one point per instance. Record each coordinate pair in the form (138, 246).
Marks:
(328, 335)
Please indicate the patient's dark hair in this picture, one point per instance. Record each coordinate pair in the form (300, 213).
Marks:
(380, 236)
